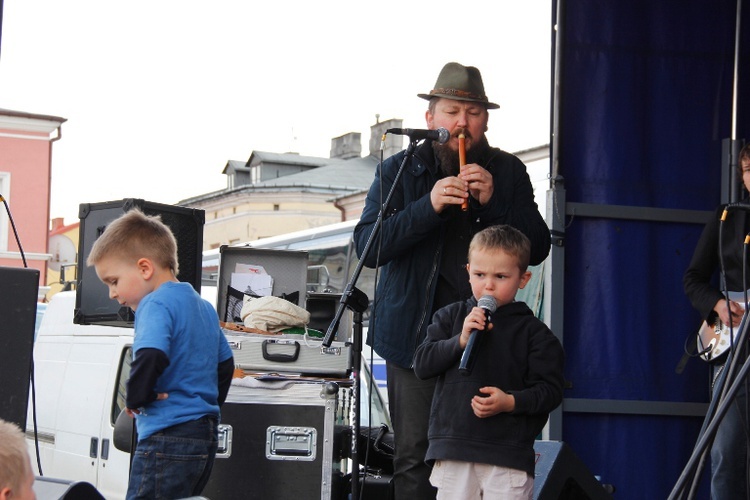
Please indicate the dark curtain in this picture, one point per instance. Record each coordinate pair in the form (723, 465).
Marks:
(645, 103)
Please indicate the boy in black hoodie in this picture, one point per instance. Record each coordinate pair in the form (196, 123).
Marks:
(486, 416)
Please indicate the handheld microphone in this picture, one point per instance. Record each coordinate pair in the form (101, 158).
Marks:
(440, 135)
(469, 357)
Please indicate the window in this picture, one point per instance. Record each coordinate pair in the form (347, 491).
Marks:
(121, 389)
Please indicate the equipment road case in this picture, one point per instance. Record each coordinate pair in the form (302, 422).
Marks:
(296, 354)
(281, 353)
(281, 440)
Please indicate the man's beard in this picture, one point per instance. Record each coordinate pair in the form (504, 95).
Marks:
(449, 161)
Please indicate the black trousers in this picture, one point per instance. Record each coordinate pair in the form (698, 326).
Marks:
(409, 401)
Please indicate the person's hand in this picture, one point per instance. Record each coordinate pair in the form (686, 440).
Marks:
(496, 401)
(479, 181)
(135, 411)
(448, 191)
(736, 310)
(475, 320)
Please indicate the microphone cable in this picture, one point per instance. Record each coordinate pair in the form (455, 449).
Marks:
(15, 231)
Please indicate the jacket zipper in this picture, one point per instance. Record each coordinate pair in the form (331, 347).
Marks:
(418, 338)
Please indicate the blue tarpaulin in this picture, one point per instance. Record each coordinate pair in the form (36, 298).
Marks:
(645, 103)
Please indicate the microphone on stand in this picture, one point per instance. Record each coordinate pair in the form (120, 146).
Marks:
(469, 357)
(440, 135)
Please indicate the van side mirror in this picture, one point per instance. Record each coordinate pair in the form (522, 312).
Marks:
(124, 435)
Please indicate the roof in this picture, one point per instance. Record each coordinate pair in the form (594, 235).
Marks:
(233, 165)
(258, 157)
(336, 176)
(23, 114)
(64, 229)
(286, 158)
(352, 174)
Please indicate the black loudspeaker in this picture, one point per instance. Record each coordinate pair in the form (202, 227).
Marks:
(18, 312)
(322, 308)
(93, 305)
(560, 475)
(60, 489)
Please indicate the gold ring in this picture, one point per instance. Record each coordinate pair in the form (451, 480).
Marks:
(444, 190)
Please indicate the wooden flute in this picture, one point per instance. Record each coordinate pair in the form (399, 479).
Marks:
(462, 163)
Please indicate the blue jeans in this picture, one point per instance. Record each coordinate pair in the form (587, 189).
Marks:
(175, 462)
(409, 402)
(729, 465)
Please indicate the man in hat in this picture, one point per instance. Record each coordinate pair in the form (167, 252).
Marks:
(423, 242)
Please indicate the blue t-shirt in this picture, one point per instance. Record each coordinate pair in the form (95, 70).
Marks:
(175, 319)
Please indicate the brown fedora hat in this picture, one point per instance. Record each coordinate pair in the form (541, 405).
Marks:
(462, 83)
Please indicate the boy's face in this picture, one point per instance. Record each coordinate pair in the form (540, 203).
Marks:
(494, 272)
(128, 282)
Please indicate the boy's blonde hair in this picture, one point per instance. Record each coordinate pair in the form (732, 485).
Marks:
(506, 238)
(134, 236)
(14, 456)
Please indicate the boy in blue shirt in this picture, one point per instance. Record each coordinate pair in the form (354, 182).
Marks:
(182, 365)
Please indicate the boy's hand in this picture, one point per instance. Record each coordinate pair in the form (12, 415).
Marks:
(495, 402)
(135, 411)
(474, 321)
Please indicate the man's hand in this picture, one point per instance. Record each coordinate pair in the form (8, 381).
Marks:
(448, 191)
(736, 310)
(479, 181)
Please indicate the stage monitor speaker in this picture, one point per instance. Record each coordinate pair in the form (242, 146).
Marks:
(560, 475)
(61, 489)
(18, 313)
(93, 305)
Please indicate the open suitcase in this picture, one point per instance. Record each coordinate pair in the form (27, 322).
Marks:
(285, 277)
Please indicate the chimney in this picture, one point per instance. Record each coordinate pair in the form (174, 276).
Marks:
(393, 143)
(347, 146)
(57, 223)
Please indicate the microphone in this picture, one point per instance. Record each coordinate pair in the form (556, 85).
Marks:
(440, 135)
(469, 357)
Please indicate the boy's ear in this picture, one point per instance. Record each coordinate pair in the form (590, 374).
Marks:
(525, 277)
(145, 267)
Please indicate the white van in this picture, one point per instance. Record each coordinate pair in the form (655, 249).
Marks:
(78, 390)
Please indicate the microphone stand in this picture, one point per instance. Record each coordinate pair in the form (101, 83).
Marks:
(358, 302)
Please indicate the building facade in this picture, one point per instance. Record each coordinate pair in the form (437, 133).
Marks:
(277, 193)
(26, 141)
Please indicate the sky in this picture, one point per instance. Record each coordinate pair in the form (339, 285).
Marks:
(158, 95)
